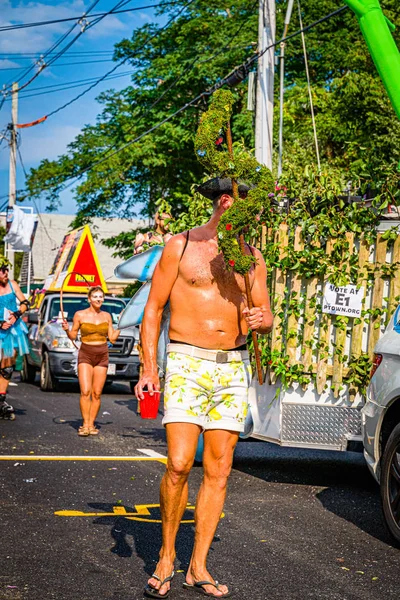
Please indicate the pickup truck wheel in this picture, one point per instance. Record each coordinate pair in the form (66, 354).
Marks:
(390, 484)
(28, 372)
(48, 382)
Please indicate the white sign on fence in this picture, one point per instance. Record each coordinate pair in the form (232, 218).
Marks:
(345, 300)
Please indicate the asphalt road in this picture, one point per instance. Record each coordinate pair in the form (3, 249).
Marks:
(297, 524)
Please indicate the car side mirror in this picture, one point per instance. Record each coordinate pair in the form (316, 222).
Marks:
(33, 317)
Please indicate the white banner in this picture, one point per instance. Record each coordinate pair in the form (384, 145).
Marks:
(343, 300)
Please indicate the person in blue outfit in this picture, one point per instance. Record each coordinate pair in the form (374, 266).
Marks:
(13, 333)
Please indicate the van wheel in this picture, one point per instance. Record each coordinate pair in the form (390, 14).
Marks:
(390, 484)
(48, 382)
(28, 373)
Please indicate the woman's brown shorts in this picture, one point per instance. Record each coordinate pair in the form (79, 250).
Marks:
(95, 355)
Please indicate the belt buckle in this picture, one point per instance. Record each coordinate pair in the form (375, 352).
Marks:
(221, 357)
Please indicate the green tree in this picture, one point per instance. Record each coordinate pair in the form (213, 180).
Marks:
(357, 128)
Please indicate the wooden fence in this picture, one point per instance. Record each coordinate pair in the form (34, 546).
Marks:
(309, 337)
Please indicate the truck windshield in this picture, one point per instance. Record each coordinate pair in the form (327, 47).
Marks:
(72, 305)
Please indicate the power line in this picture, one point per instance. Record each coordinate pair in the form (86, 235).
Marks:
(66, 85)
(83, 62)
(42, 63)
(103, 14)
(85, 25)
(175, 82)
(119, 64)
(29, 55)
(54, 244)
(237, 72)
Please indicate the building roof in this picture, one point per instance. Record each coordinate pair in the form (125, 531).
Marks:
(52, 229)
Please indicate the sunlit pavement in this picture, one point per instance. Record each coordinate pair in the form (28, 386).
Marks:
(80, 516)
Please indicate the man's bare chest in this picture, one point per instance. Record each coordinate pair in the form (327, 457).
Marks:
(204, 267)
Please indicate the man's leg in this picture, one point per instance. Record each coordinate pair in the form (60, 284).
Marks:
(219, 446)
(182, 439)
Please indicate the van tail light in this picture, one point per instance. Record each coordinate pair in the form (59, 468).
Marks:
(375, 364)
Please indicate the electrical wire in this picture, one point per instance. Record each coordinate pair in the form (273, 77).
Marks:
(53, 47)
(303, 41)
(84, 27)
(84, 62)
(65, 20)
(175, 82)
(52, 241)
(219, 84)
(4, 205)
(55, 111)
(67, 85)
(29, 55)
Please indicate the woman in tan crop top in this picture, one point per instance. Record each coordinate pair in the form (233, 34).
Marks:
(95, 326)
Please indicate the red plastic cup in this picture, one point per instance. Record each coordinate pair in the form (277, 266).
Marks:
(149, 405)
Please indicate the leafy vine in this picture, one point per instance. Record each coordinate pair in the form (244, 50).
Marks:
(213, 153)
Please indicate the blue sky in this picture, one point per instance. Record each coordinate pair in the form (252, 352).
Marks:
(49, 139)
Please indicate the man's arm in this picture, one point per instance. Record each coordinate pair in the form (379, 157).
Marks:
(259, 318)
(163, 280)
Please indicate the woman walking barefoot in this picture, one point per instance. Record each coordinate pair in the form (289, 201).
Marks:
(95, 326)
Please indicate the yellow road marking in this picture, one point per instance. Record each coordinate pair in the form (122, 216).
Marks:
(24, 457)
(142, 511)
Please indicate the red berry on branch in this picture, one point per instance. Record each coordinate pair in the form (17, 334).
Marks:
(232, 263)
(228, 226)
(219, 141)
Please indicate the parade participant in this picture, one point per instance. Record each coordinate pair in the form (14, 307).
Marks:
(207, 378)
(95, 326)
(13, 332)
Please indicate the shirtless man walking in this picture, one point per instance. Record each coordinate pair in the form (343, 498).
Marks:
(207, 379)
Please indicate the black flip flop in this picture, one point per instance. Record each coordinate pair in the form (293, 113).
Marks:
(152, 592)
(198, 587)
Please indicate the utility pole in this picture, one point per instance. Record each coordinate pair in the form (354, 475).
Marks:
(265, 82)
(13, 162)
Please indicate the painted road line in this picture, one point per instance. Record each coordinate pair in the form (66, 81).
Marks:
(151, 453)
(26, 457)
(142, 513)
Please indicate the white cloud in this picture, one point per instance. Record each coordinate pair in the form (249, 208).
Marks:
(144, 16)
(7, 64)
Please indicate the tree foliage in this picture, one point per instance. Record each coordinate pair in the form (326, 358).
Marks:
(175, 61)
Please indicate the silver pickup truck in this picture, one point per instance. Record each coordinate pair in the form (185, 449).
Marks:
(54, 355)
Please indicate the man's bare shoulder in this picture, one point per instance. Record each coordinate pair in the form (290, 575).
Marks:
(175, 245)
(258, 255)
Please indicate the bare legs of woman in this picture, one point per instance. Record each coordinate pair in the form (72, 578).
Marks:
(91, 382)
(182, 441)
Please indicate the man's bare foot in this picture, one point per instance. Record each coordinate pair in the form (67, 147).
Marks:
(195, 575)
(163, 570)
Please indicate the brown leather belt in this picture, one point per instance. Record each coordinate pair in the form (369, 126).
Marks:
(218, 356)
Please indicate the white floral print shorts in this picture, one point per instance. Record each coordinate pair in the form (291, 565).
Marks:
(206, 393)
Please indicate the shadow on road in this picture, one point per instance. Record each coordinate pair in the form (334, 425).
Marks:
(350, 491)
(144, 538)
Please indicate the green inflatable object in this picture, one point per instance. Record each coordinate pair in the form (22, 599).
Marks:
(377, 31)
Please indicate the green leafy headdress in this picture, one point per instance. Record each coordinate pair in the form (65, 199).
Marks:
(239, 165)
